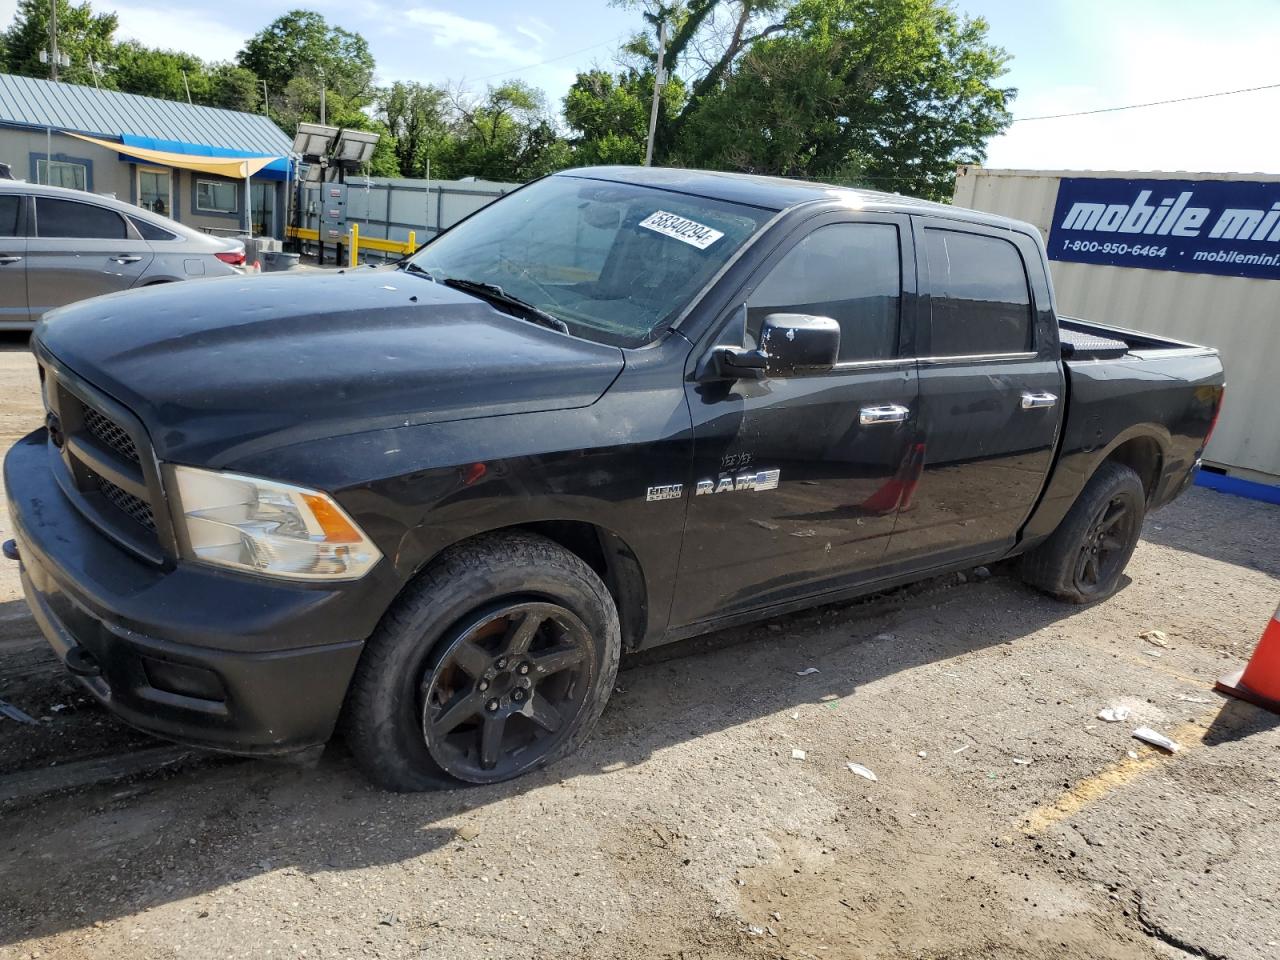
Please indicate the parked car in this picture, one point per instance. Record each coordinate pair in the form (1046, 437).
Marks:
(616, 408)
(58, 246)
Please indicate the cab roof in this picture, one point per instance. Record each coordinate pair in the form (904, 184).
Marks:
(780, 193)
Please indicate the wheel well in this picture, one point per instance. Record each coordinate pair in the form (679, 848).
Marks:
(611, 559)
(1142, 455)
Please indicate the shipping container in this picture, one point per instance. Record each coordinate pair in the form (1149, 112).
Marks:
(1160, 266)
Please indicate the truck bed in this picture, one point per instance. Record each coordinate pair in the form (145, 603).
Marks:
(1086, 340)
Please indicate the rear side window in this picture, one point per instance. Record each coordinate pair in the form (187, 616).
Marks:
(979, 298)
(70, 218)
(150, 231)
(9, 208)
(850, 272)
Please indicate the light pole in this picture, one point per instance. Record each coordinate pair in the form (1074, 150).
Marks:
(659, 78)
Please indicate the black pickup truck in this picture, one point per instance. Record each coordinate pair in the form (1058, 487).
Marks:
(430, 504)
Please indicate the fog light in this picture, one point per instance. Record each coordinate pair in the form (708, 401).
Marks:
(184, 679)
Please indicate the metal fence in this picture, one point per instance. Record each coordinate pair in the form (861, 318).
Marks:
(387, 208)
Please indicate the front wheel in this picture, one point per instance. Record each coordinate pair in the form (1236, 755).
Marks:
(1083, 560)
(497, 661)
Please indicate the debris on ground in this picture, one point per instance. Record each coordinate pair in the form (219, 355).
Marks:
(468, 832)
(962, 749)
(981, 572)
(13, 713)
(1156, 739)
(883, 637)
(806, 671)
(1022, 762)
(798, 754)
(923, 754)
(1114, 714)
(860, 770)
(1157, 637)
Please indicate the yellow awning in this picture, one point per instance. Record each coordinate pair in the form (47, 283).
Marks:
(236, 167)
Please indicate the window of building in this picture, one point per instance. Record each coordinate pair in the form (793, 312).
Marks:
(10, 208)
(850, 272)
(70, 218)
(217, 196)
(150, 231)
(155, 191)
(62, 173)
(978, 293)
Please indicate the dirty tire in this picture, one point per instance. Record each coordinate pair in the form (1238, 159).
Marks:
(386, 715)
(1060, 566)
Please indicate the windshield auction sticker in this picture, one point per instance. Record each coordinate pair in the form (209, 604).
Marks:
(687, 231)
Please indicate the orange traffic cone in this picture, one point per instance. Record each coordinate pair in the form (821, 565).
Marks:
(1259, 682)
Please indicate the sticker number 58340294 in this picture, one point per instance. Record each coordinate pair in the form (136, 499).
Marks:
(680, 228)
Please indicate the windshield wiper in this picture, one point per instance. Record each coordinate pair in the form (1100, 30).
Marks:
(495, 294)
(410, 267)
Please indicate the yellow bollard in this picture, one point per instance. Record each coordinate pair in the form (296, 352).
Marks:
(353, 245)
(413, 242)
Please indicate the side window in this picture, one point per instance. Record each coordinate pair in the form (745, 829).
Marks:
(150, 231)
(851, 272)
(68, 218)
(978, 294)
(10, 207)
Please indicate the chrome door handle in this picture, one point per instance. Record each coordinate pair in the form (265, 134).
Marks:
(883, 413)
(126, 259)
(1037, 401)
(10, 259)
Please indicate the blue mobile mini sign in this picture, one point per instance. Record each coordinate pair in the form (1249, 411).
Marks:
(1194, 226)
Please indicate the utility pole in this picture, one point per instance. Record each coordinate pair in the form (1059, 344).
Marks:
(266, 103)
(659, 78)
(186, 86)
(53, 39)
(320, 72)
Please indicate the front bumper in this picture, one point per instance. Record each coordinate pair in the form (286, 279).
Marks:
(218, 660)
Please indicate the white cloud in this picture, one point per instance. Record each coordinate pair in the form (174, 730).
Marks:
(1143, 57)
(188, 28)
(476, 38)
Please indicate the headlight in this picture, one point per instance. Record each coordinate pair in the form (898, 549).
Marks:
(267, 527)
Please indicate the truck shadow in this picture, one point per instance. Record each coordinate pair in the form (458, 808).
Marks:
(194, 831)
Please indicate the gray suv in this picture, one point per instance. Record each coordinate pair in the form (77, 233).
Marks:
(58, 246)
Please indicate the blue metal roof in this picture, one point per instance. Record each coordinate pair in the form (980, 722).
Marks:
(30, 102)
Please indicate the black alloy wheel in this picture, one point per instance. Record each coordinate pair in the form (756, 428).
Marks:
(1106, 546)
(506, 689)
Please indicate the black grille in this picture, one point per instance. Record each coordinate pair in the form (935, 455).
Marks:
(137, 510)
(110, 433)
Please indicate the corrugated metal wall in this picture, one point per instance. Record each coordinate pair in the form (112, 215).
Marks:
(1240, 316)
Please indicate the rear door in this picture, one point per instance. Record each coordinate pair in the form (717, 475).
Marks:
(797, 480)
(13, 263)
(80, 249)
(991, 393)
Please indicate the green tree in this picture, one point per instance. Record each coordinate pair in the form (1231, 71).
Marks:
(301, 43)
(609, 114)
(84, 36)
(507, 134)
(234, 88)
(417, 115)
(894, 93)
(158, 73)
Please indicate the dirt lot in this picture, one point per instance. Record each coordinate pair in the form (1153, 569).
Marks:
(1007, 821)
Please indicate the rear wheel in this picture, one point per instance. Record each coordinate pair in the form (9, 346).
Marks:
(499, 660)
(1085, 557)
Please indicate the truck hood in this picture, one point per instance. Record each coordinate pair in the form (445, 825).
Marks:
(220, 369)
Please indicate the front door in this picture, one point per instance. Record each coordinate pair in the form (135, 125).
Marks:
(797, 480)
(13, 263)
(80, 249)
(991, 394)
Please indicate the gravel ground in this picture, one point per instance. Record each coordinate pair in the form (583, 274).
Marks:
(1006, 821)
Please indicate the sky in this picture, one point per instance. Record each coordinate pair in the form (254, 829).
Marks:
(1068, 55)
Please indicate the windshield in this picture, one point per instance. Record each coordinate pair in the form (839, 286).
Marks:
(615, 261)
